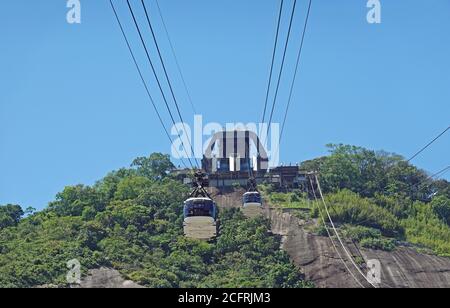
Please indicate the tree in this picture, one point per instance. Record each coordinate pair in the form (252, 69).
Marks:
(441, 206)
(74, 199)
(10, 215)
(348, 207)
(155, 167)
(30, 210)
(441, 188)
(108, 185)
(130, 188)
(369, 172)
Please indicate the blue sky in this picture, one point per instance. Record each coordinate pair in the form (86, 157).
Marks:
(72, 107)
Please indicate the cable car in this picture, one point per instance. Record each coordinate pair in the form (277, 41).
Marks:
(200, 212)
(252, 199)
(252, 204)
(200, 218)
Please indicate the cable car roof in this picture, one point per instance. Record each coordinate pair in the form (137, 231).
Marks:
(200, 198)
(252, 193)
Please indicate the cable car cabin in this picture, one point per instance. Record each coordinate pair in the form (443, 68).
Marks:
(252, 204)
(200, 218)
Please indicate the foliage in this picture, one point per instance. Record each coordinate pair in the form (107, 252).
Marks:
(246, 256)
(441, 206)
(129, 188)
(131, 220)
(155, 167)
(381, 191)
(368, 172)
(321, 230)
(294, 200)
(358, 233)
(349, 207)
(425, 228)
(369, 238)
(400, 206)
(378, 244)
(37, 250)
(10, 215)
(73, 200)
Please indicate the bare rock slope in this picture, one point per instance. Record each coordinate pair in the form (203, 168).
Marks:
(317, 257)
(107, 278)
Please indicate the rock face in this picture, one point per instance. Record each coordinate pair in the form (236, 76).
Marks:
(105, 278)
(317, 257)
(406, 268)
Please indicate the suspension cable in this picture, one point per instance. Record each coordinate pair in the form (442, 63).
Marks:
(176, 58)
(273, 60)
(331, 237)
(337, 233)
(143, 81)
(422, 185)
(305, 27)
(155, 40)
(443, 171)
(428, 145)
(282, 67)
(157, 79)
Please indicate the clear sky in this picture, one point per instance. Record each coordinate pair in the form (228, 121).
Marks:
(72, 107)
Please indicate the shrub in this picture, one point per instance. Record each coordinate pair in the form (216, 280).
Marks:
(425, 228)
(378, 244)
(441, 206)
(398, 205)
(348, 207)
(321, 230)
(279, 198)
(358, 233)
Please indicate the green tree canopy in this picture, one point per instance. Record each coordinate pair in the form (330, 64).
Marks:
(73, 200)
(10, 215)
(441, 206)
(155, 167)
(369, 173)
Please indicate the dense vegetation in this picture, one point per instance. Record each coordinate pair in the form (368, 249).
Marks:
(392, 199)
(10, 215)
(370, 173)
(377, 199)
(132, 221)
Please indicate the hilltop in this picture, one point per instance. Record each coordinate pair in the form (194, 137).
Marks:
(131, 221)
